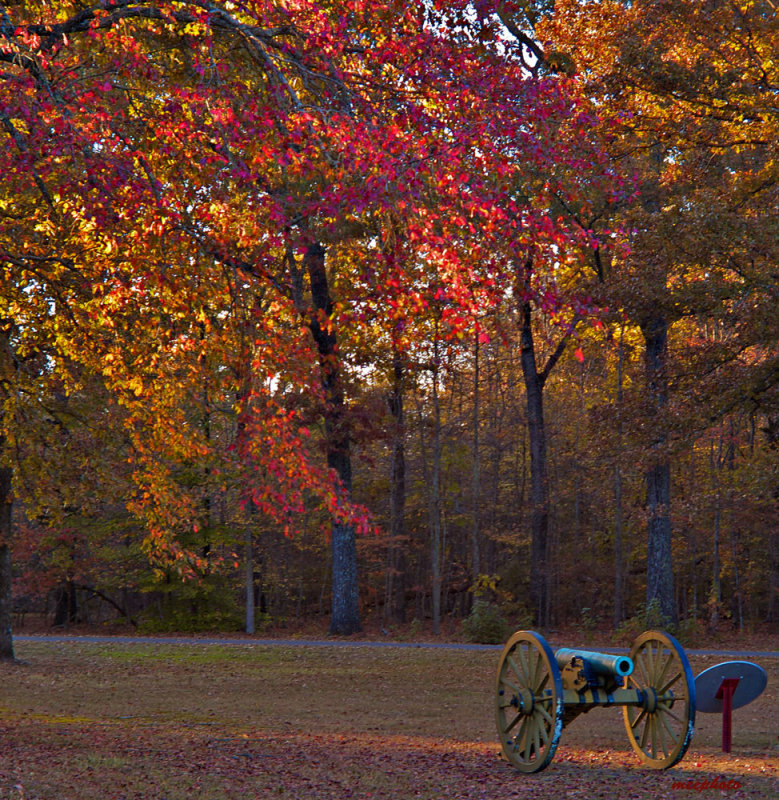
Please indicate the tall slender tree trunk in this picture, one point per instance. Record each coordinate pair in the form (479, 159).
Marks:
(249, 579)
(345, 611)
(476, 476)
(715, 464)
(7, 366)
(6, 637)
(659, 579)
(434, 507)
(619, 558)
(535, 380)
(771, 430)
(396, 572)
(206, 426)
(244, 401)
(730, 460)
(539, 487)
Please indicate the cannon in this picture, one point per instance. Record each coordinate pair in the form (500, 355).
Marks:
(539, 692)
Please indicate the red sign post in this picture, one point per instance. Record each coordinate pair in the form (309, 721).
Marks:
(725, 693)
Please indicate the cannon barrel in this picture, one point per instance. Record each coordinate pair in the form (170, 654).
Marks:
(602, 663)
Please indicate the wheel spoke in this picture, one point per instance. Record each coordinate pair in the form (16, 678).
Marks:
(544, 732)
(645, 731)
(652, 732)
(638, 719)
(534, 663)
(546, 715)
(521, 735)
(514, 688)
(539, 675)
(639, 662)
(661, 677)
(536, 738)
(521, 740)
(523, 663)
(673, 716)
(513, 722)
(671, 732)
(650, 664)
(530, 752)
(515, 668)
(670, 683)
(660, 734)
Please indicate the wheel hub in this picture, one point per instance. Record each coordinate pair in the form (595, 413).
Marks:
(526, 701)
(650, 700)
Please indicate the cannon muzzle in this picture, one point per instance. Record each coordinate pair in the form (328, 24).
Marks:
(601, 663)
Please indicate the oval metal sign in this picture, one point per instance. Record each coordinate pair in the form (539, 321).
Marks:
(752, 679)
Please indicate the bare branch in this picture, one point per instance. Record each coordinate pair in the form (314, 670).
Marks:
(22, 147)
(559, 350)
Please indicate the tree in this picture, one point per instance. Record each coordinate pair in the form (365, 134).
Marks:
(6, 640)
(163, 151)
(691, 88)
(535, 381)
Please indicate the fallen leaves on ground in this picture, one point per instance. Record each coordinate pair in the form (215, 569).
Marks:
(64, 760)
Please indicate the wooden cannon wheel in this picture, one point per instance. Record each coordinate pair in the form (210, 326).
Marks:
(529, 702)
(660, 728)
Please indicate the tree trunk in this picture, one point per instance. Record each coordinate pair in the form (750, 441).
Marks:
(771, 431)
(730, 460)
(435, 497)
(7, 366)
(535, 381)
(659, 578)
(249, 580)
(539, 488)
(345, 615)
(66, 607)
(396, 573)
(476, 477)
(6, 637)
(715, 464)
(619, 558)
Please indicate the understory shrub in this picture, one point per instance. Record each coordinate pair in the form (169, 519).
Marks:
(485, 624)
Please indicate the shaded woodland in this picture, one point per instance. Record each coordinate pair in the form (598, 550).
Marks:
(90, 565)
(489, 330)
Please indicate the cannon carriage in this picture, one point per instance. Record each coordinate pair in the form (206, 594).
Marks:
(539, 692)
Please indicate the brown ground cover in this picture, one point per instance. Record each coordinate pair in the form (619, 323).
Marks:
(158, 721)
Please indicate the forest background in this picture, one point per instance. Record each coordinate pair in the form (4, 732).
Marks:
(350, 310)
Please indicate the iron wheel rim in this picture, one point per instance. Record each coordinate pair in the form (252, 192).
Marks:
(529, 703)
(661, 728)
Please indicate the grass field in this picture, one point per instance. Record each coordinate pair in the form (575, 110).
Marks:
(93, 722)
